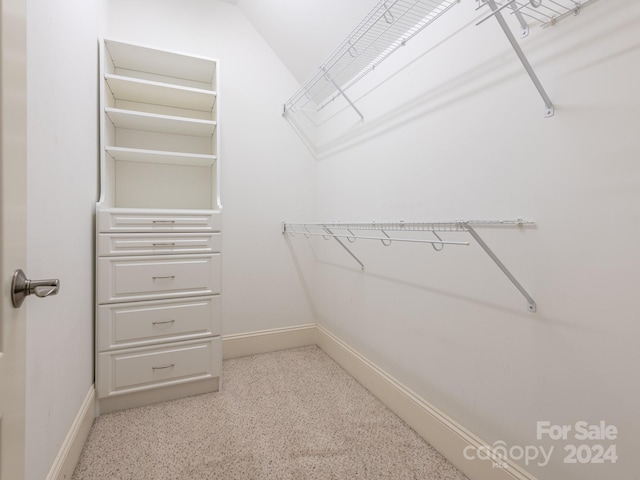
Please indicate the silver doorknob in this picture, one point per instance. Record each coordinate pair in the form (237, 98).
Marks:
(21, 286)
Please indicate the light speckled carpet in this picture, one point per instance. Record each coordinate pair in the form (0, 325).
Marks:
(290, 415)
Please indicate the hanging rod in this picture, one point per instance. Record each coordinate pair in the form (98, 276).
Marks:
(345, 230)
(386, 240)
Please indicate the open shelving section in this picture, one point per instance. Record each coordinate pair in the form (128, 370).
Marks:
(159, 127)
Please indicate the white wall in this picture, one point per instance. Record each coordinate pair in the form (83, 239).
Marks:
(460, 133)
(62, 123)
(280, 21)
(267, 175)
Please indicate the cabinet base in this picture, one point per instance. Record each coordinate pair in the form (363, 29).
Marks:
(139, 399)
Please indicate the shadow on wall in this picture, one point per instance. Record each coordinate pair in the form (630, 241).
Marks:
(393, 270)
(376, 269)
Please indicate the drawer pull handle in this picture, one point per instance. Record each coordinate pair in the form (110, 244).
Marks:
(163, 221)
(167, 244)
(163, 367)
(164, 323)
(164, 277)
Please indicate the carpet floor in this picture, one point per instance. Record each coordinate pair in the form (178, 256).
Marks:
(288, 415)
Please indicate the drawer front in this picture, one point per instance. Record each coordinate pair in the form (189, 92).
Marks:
(129, 220)
(146, 323)
(125, 279)
(127, 371)
(157, 244)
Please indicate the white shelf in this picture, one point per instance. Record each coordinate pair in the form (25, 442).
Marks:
(146, 91)
(152, 122)
(162, 157)
(171, 64)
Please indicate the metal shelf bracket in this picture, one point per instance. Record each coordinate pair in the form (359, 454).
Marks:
(328, 76)
(531, 304)
(497, 13)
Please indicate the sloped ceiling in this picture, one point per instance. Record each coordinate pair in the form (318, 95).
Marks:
(303, 33)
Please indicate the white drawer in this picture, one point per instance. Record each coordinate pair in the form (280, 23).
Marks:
(157, 243)
(127, 371)
(136, 324)
(148, 220)
(126, 279)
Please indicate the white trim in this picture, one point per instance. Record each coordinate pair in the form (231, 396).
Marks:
(65, 462)
(265, 341)
(439, 430)
(156, 395)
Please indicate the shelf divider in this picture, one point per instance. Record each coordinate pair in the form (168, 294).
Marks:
(124, 154)
(152, 122)
(147, 91)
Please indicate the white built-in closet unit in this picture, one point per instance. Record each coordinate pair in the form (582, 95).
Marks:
(158, 227)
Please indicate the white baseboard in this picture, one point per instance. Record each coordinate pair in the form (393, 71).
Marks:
(69, 453)
(164, 394)
(266, 341)
(439, 430)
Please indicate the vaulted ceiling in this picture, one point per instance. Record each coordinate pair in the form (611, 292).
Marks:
(303, 33)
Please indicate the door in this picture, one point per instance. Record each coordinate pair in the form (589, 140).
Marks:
(13, 159)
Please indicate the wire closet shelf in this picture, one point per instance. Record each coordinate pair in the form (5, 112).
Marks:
(543, 13)
(352, 231)
(392, 23)
(387, 27)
